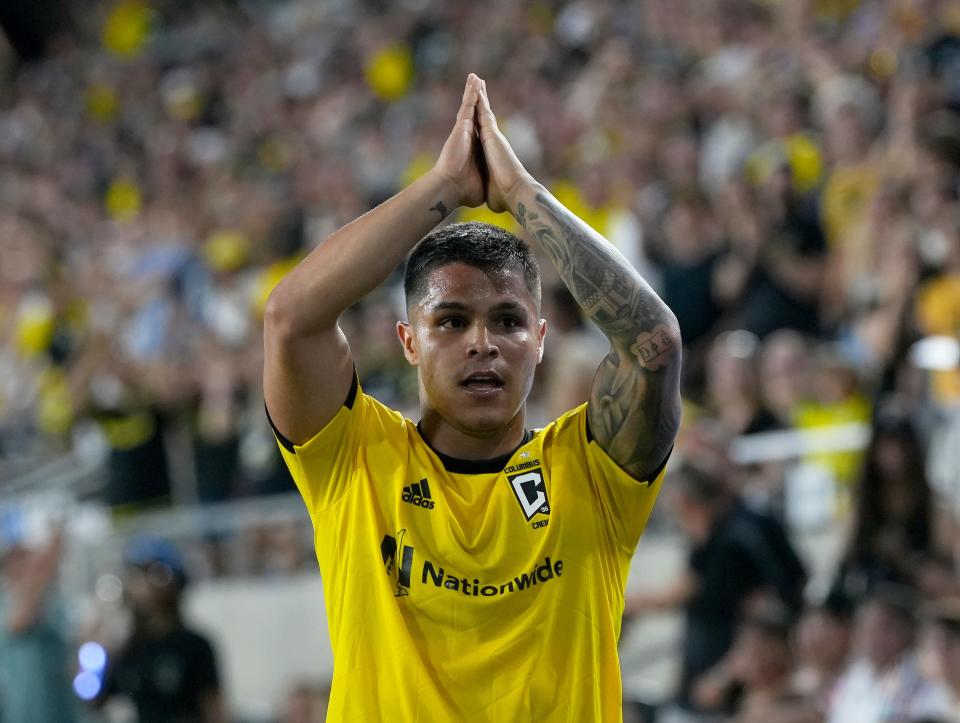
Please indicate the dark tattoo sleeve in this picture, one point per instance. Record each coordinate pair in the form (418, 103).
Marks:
(440, 208)
(634, 409)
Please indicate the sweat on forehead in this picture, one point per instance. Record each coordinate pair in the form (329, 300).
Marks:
(492, 249)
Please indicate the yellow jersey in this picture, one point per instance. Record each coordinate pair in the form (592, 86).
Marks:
(469, 591)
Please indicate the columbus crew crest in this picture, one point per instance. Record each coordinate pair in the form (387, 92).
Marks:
(531, 492)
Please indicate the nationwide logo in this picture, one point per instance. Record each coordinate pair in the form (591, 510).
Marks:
(418, 494)
(529, 489)
(543, 572)
(398, 560)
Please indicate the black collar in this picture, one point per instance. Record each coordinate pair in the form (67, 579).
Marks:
(475, 466)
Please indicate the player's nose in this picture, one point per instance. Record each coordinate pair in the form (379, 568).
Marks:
(481, 342)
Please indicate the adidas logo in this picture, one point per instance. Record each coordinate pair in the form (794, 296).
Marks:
(418, 494)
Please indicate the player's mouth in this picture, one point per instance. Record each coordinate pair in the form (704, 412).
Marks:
(483, 384)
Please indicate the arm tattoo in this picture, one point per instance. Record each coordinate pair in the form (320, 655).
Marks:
(652, 349)
(634, 405)
(441, 209)
(522, 214)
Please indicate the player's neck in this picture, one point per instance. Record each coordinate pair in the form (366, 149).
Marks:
(463, 444)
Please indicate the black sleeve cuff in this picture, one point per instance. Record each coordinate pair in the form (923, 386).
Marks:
(653, 475)
(348, 403)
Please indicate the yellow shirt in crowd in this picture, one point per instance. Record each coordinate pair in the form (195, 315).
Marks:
(469, 591)
(938, 311)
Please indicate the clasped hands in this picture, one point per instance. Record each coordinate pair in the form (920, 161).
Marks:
(477, 160)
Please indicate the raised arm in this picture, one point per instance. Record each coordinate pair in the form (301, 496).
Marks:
(308, 366)
(634, 409)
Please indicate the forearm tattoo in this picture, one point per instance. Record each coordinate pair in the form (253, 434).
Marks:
(633, 414)
(440, 208)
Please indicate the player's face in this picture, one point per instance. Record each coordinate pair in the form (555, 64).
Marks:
(476, 340)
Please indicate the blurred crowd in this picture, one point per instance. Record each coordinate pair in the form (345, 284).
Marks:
(785, 173)
(763, 644)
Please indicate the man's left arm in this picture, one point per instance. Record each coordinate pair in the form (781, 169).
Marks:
(634, 409)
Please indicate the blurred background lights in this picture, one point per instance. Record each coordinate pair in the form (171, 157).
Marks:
(86, 685)
(93, 657)
(109, 588)
(940, 353)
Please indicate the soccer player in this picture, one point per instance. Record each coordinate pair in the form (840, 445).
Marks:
(474, 570)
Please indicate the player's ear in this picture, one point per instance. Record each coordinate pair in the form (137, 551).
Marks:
(406, 339)
(542, 335)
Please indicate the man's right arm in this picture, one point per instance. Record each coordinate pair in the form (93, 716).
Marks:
(308, 367)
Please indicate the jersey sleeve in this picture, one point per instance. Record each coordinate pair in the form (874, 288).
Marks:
(324, 466)
(624, 501)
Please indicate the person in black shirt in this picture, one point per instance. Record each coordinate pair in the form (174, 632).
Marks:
(772, 276)
(167, 670)
(691, 250)
(739, 557)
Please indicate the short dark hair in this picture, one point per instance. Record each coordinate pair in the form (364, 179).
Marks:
(481, 245)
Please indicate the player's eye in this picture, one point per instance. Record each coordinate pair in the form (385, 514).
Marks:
(510, 322)
(453, 322)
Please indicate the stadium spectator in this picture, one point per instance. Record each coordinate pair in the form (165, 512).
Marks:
(691, 250)
(892, 528)
(733, 387)
(754, 678)
(34, 648)
(738, 559)
(836, 400)
(782, 267)
(884, 682)
(786, 374)
(823, 639)
(166, 669)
